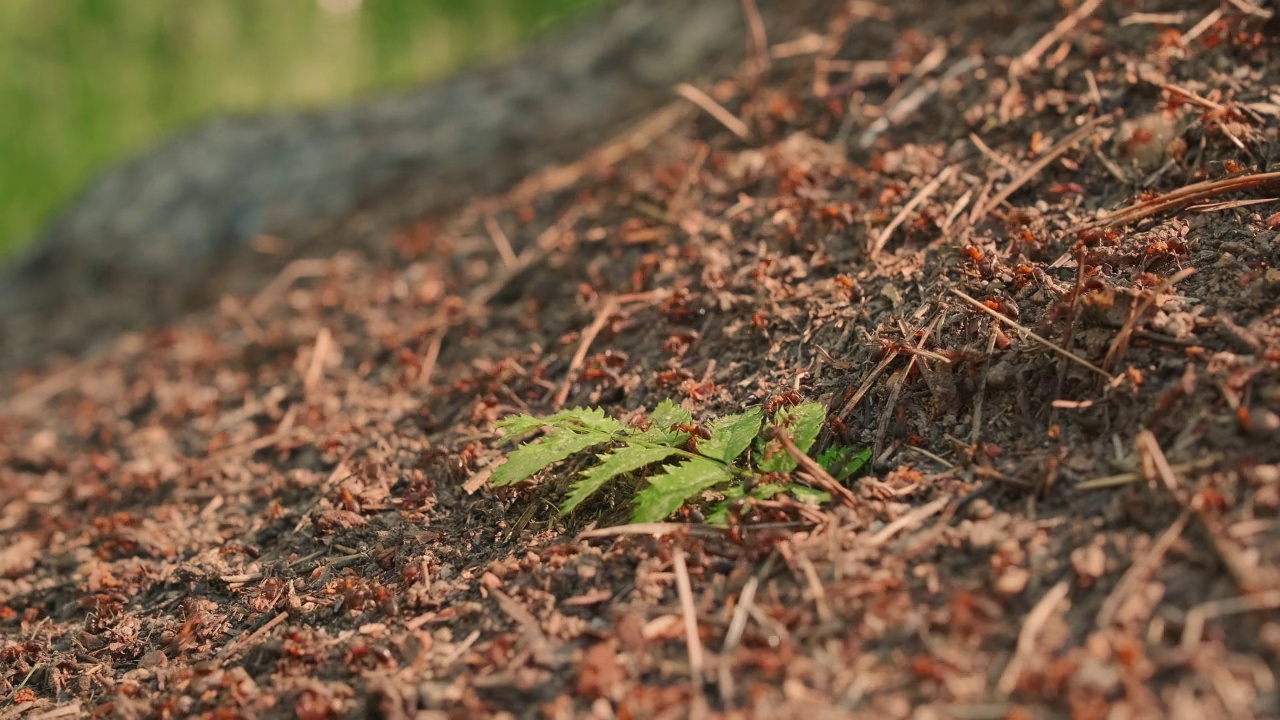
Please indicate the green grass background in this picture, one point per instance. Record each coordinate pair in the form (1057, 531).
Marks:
(84, 83)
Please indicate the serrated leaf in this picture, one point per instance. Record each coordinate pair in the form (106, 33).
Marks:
(803, 423)
(678, 483)
(529, 458)
(521, 424)
(591, 419)
(661, 419)
(842, 461)
(669, 413)
(618, 462)
(730, 435)
(583, 418)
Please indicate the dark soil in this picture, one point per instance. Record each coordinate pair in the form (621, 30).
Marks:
(1074, 510)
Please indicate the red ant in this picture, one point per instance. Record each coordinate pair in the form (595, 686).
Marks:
(672, 378)
(777, 402)
(696, 431)
(850, 287)
(1095, 236)
(754, 481)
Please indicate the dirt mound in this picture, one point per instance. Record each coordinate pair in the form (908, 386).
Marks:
(1022, 253)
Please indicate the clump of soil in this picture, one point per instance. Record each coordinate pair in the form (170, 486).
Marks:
(957, 227)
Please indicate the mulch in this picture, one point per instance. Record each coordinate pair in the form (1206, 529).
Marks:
(1023, 251)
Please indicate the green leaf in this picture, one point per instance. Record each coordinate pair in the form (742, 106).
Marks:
(529, 458)
(669, 413)
(806, 494)
(591, 419)
(803, 423)
(730, 435)
(521, 424)
(624, 460)
(718, 514)
(668, 491)
(860, 458)
(842, 461)
(765, 491)
(833, 459)
(661, 419)
(583, 418)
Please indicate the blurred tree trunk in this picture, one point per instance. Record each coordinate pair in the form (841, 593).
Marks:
(166, 232)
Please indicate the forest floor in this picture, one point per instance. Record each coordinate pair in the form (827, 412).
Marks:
(1025, 254)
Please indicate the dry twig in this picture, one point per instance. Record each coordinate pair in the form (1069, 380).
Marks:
(319, 356)
(1140, 570)
(913, 517)
(247, 640)
(912, 102)
(816, 591)
(1030, 59)
(605, 312)
(1120, 345)
(757, 40)
(924, 194)
(692, 641)
(1041, 163)
(731, 122)
(500, 242)
(994, 156)
(1031, 627)
(1182, 197)
(738, 623)
(652, 529)
(1026, 332)
(1193, 631)
(820, 476)
(292, 273)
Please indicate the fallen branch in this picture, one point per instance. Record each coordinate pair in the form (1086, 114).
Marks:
(1180, 198)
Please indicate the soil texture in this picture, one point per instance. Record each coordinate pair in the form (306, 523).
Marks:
(1024, 252)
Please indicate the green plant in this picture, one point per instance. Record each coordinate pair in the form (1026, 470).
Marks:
(716, 457)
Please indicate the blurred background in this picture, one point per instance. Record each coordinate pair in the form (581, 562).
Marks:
(84, 83)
